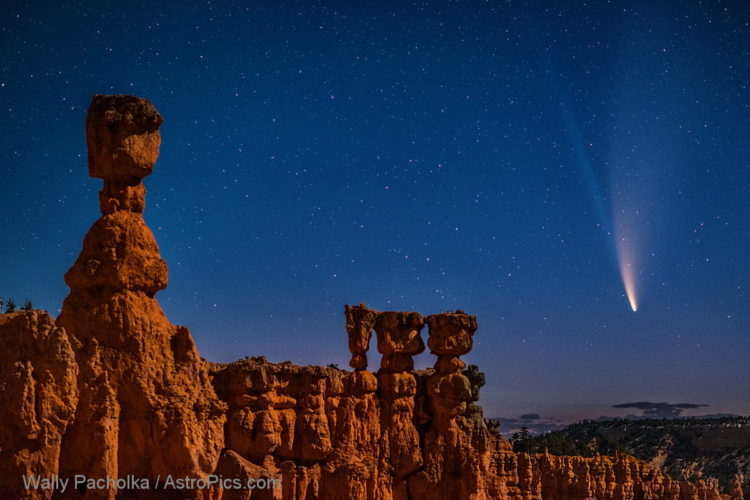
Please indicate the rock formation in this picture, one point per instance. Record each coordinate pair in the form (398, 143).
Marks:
(38, 393)
(144, 388)
(113, 389)
(146, 406)
(359, 324)
(398, 340)
(457, 442)
(407, 434)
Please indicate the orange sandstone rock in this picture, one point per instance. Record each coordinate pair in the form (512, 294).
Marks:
(399, 339)
(146, 405)
(122, 135)
(239, 479)
(38, 394)
(359, 324)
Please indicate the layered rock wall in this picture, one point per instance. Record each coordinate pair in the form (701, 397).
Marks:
(408, 434)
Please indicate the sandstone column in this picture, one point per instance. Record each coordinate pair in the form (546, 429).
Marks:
(451, 336)
(147, 407)
(358, 420)
(736, 491)
(399, 339)
(359, 324)
(456, 444)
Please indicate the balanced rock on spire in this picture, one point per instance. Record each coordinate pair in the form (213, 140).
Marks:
(145, 394)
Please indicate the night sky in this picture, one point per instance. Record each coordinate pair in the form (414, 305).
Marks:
(505, 158)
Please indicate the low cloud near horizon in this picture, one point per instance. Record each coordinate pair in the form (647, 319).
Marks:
(537, 424)
(659, 410)
(532, 421)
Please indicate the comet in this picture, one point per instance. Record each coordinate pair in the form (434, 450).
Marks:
(628, 279)
(625, 247)
(625, 222)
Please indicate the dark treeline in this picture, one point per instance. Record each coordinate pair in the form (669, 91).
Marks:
(10, 306)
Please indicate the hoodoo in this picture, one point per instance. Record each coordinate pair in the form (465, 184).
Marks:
(146, 406)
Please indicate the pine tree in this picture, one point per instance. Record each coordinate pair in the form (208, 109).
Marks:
(27, 306)
(10, 306)
(522, 441)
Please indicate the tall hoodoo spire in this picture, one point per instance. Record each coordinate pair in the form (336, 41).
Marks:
(145, 393)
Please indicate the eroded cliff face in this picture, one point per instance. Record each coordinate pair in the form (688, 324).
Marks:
(113, 389)
(38, 395)
(405, 434)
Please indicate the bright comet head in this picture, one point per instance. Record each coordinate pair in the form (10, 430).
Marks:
(629, 281)
(627, 271)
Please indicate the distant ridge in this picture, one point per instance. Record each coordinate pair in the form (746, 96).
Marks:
(685, 447)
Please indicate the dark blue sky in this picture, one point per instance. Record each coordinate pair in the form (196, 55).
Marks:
(482, 156)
